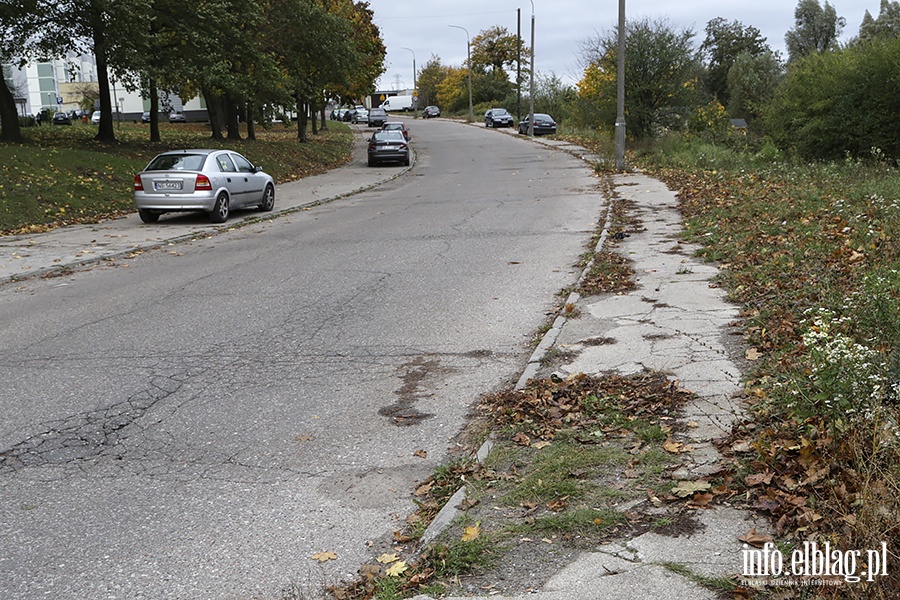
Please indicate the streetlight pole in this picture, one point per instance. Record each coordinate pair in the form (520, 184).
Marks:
(531, 91)
(415, 89)
(469, 69)
(620, 92)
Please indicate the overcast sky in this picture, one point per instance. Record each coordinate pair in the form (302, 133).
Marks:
(423, 26)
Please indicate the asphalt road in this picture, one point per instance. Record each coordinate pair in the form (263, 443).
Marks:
(200, 423)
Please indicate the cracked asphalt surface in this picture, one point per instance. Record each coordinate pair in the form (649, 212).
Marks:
(200, 422)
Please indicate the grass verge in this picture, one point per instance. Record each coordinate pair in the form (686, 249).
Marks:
(61, 175)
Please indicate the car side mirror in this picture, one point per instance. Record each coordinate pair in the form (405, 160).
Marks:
(257, 169)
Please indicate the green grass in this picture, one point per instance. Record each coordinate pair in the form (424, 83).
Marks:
(60, 175)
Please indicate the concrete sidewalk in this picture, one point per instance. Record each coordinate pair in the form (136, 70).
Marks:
(31, 255)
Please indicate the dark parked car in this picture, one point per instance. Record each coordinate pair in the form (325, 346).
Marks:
(214, 181)
(377, 117)
(62, 118)
(543, 124)
(430, 112)
(388, 146)
(498, 117)
(396, 126)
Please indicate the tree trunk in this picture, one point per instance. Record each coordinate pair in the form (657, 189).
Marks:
(231, 120)
(251, 126)
(213, 108)
(10, 131)
(154, 110)
(315, 121)
(324, 126)
(105, 134)
(301, 121)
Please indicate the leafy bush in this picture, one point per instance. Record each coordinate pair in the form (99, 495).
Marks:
(840, 103)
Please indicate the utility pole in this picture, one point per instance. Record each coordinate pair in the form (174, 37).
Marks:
(518, 65)
(620, 102)
(469, 69)
(415, 87)
(531, 92)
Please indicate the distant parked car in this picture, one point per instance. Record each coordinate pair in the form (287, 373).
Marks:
(360, 116)
(62, 118)
(177, 117)
(338, 114)
(498, 117)
(376, 117)
(396, 126)
(214, 181)
(145, 116)
(388, 146)
(543, 124)
(429, 112)
(95, 117)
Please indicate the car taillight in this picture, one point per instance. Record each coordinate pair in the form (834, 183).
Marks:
(138, 184)
(202, 183)
(403, 146)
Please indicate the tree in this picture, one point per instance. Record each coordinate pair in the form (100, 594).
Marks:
(365, 40)
(429, 78)
(496, 48)
(552, 96)
(839, 103)
(16, 29)
(662, 69)
(723, 44)
(886, 25)
(816, 29)
(452, 91)
(752, 81)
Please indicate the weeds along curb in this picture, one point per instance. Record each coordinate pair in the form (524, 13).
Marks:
(449, 512)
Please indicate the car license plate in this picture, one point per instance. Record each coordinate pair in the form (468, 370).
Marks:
(390, 147)
(167, 185)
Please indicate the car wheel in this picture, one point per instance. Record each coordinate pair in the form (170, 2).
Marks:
(268, 201)
(148, 216)
(219, 212)
(371, 163)
(406, 161)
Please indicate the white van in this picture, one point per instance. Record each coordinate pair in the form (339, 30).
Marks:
(404, 103)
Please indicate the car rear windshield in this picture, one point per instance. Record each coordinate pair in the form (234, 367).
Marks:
(177, 162)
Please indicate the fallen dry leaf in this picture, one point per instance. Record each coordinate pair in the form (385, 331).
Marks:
(396, 569)
(471, 533)
(387, 559)
(756, 539)
(689, 488)
(752, 354)
(674, 447)
(421, 453)
(541, 444)
(759, 478)
(522, 439)
(324, 556)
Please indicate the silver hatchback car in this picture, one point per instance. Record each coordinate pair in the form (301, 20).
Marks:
(214, 181)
